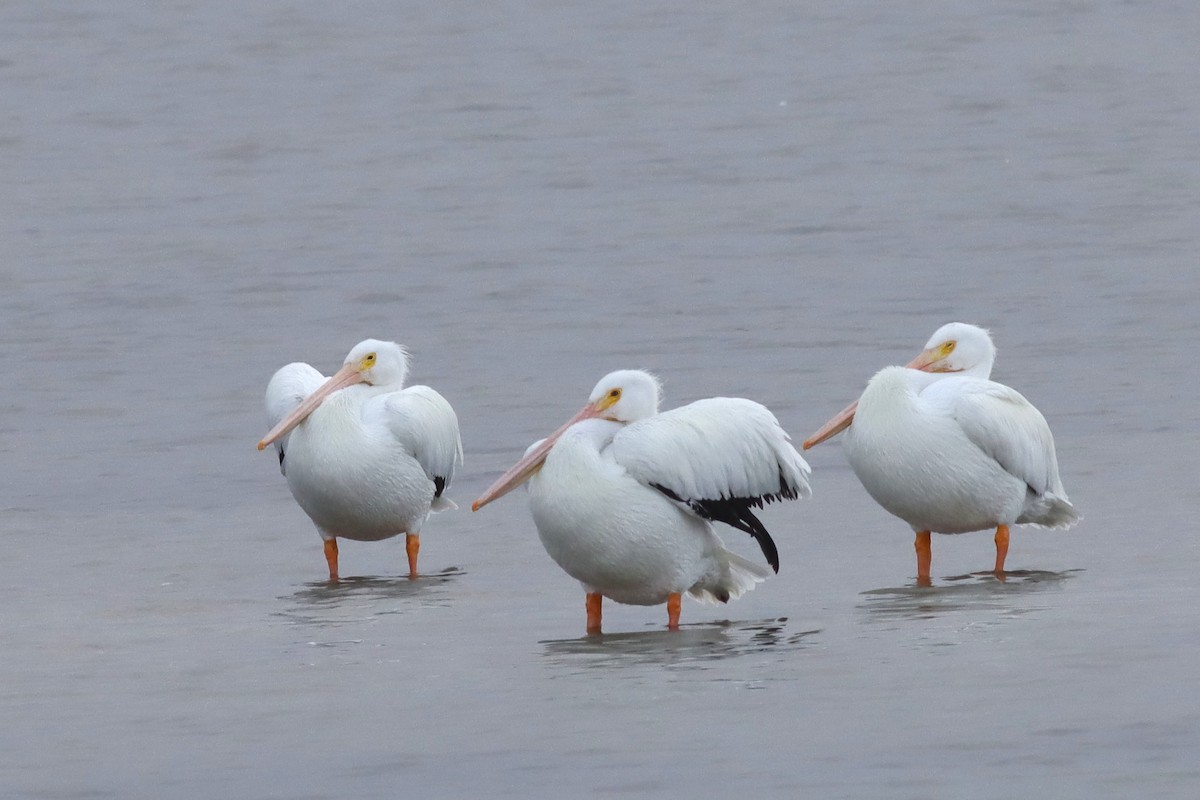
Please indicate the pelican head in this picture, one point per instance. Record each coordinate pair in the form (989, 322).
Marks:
(956, 347)
(371, 361)
(626, 395)
(378, 363)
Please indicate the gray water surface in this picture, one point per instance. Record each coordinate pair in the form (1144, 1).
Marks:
(771, 200)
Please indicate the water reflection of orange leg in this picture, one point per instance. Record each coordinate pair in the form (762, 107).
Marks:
(412, 546)
(924, 558)
(1001, 550)
(594, 601)
(331, 559)
(674, 602)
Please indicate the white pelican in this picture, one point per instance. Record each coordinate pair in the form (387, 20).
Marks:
(622, 496)
(364, 457)
(945, 449)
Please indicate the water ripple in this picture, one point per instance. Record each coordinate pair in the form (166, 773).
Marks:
(690, 646)
(978, 590)
(358, 599)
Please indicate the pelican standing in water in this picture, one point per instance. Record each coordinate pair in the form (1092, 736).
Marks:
(364, 457)
(623, 496)
(947, 450)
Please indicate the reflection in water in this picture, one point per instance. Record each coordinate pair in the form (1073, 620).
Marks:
(978, 590)
(358, 599)
(689, 647)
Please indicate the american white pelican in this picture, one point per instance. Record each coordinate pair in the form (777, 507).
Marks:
(946, 450)
(622, 496)
(364, 457)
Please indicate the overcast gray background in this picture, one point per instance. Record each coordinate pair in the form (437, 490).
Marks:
(770, 200)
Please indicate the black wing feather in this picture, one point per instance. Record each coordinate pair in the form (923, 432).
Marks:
(735, 512)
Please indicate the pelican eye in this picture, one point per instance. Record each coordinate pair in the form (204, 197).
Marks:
(948, 348)
(368, 361)
(609, 400)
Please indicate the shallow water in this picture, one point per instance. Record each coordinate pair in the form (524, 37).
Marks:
(770, 203)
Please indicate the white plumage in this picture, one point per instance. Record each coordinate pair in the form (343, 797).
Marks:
(711, 449)
(364, 457)
(285, 391)
(947, 450)
(622, 496)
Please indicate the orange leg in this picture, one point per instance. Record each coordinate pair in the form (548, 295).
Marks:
(594, 600)
(674, 601)
(1001, 549)
(331, 558)
(924, 557)
(412, 546)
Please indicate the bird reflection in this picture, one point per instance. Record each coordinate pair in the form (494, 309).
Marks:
(977, 590)
(691, 645)
(323, 603)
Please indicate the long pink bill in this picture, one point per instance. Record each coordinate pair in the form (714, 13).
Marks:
(838, 423)
(927, 361)
(346, 376)
(525, 469)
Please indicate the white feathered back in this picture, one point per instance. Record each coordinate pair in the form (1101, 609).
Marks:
(713, 449)
(425, 423)
(1003, 424)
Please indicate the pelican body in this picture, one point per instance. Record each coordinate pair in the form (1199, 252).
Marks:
(364, 457)
(624, 497)
(941, 446)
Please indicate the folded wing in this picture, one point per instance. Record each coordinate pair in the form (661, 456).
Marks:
(1004, 425)
(720, 458)
(426, 425)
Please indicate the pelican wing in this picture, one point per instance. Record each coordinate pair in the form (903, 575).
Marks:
(287, 389)
(1006, 426)
(426, 425)
(720, 458)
